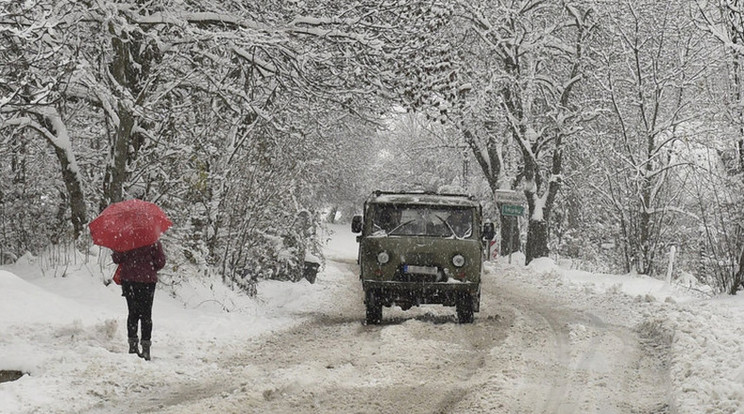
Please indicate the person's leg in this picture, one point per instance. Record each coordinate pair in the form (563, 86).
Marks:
(128, 291)
(145, 297)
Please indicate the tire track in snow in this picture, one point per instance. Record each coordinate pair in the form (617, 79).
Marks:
(562, 357)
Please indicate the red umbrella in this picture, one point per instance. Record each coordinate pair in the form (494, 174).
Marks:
(129, 224)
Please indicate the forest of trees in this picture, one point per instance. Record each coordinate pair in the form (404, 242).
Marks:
(622, 122)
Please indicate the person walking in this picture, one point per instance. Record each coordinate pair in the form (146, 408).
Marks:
(139, 274)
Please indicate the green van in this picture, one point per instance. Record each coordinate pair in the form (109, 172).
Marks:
(421, 248)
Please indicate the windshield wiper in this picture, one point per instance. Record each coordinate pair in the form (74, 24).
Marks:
(401, 225)
(452, 231)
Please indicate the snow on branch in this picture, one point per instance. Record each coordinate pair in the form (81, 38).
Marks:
(101, 95)
(673, 209)
(265, 67)
(316, 21)
(20, 122)
(209, 18)
(329, 28)
(338, 34)
(300, 25)
(56, 133)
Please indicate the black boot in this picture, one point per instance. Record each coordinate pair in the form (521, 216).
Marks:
(145, 350)
(133, 349)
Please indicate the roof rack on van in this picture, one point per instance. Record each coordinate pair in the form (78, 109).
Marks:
(378, 193)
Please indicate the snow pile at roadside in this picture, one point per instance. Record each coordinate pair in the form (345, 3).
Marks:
(705, 334)
(707, 368)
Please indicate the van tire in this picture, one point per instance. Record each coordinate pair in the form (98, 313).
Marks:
(374, 308)
(464, 306)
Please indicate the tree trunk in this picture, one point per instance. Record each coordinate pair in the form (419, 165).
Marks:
(56, 134)
(125, 76)
(116, 174)
(648, 244)
(510, 240)
(537, 240)
(739, 276)
(491, 166)
(644, 265)
(78, 214)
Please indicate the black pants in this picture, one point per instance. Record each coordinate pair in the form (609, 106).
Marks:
(139, 301)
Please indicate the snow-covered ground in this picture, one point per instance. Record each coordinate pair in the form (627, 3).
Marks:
(66, 330)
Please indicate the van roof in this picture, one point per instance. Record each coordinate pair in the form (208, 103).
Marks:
(423, 198)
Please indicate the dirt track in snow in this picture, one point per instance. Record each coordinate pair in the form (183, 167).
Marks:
(527, 352)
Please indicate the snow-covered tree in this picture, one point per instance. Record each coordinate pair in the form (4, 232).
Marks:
(722, 253)
(39, 48)
(219, 111)
(654, 65)
(530, 58)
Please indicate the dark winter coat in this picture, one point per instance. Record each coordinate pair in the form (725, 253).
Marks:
(141, 264)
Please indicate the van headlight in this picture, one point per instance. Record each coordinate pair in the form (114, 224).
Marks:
(383, 257)
(458, 260)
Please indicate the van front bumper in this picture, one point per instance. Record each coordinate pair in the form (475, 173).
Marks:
(407, 294)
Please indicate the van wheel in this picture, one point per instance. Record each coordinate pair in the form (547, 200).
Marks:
(374, 308)
(464, 307)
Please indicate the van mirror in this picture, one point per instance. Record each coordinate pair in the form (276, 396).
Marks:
(356, 224)
(488, 231)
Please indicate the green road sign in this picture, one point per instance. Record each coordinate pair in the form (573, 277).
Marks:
(511, 210)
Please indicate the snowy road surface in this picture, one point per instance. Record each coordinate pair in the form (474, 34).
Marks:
(527, 352)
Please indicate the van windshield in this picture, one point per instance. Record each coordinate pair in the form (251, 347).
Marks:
(431, 221)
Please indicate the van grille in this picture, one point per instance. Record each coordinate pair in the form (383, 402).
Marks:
(421, 259)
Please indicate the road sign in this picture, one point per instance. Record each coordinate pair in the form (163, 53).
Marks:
(509, 197)
(511, 210)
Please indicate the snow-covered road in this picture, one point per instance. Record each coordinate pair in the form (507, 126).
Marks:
(527, 352)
